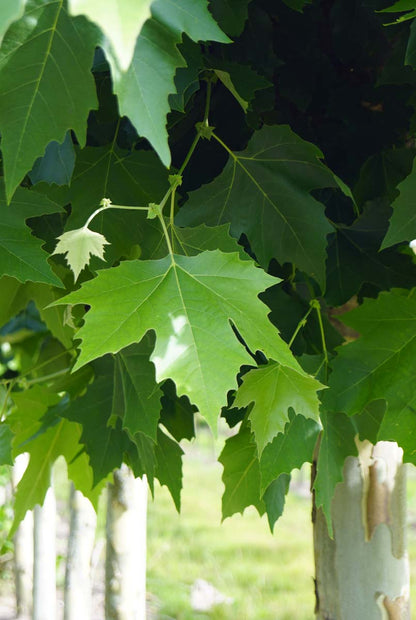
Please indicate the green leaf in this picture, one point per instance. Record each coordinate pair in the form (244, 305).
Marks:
(336, 444)
(354, 257)
(169, 466)
(241, 80)
(189, 302)
(403, 222)
(46, 86)
(10, 11)
(230, 14)
(78, 245)
(289, 450)
(6, 436)
(121, 22)
(57, 164)
(265, 189)
(143, 90)
(21, 255)
(274, 390)
(275, 497)
(177, 414)
(380, 364)
(104, 445)
(241, 474)
(402, 5)
(136, 393)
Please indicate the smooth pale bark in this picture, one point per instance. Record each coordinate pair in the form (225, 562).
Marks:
(23, 549)
(363, 573)
(44, 561)
(78, 583)
(125, 570)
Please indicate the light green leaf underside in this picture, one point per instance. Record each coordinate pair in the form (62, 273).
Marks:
(21, 255)
(191, 304)
(10, 11)
(264, 192)
(121, 21)
(143, 90)
(403, 221)
(46, 86)
(273, 390)
(78, 245)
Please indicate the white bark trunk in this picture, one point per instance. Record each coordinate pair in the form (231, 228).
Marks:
(23, 549)
(363, 572)
(126, 547)
(44, 565)
(78, 583)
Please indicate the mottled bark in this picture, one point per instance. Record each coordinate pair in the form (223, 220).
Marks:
(126, 547)
(44, 563)
(23, 550)
(363, 571)
(78, 584)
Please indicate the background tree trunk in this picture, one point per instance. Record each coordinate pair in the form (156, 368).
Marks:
(44, 561)
(23, 549)
(125, 573)
(363, 572)
(78, 583)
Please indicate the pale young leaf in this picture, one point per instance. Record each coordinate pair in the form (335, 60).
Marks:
(79, 245)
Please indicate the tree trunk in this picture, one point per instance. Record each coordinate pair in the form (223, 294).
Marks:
(125, 571)
(44, 562)
(23, 549)
(78, 584)
(363, 572)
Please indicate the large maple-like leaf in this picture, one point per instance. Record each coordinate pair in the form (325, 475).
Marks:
(379, 364)
(21, 255)
(46, 86)
(288, 450)
(143, 90)
(44, 443)
(192, 303)
(273, 390)
(264, 192)
(241, 474)
(403, 221)
(121, 22)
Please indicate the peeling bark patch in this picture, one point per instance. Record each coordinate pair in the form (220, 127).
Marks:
(377, 498)
(397, 608)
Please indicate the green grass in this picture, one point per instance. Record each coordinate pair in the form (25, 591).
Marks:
(268, 576)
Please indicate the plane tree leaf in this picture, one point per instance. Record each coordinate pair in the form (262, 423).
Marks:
(289, 450)
(354, 257)
(192, 304)
(47, 97)
(56, 165)
(168, 468)
(274, 390)
(136, 393)
(21, 255)
(120, 21)
(380, 363)
(78, 245)
(403, 221)
(143, 90)
(231, 15)
(264, 192)
(241, 475)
